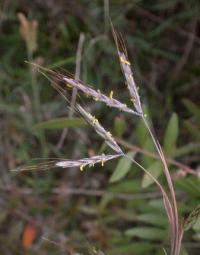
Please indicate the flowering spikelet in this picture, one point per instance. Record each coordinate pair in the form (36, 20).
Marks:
(81, 163)
(86, 161)
(70, 82)
(110, 141)
(97, 95)
(126, 69)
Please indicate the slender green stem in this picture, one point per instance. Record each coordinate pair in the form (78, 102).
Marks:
(36, 96)
(166, 200)
(36, 103)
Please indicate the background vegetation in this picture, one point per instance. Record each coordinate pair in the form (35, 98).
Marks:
(68, 211)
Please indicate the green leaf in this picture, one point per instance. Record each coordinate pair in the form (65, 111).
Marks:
(62, 62)
(141, 130)
(148, 233)
(164, 251)
(61, 123)
(145, 141)
(191, 185)
(192, 108)
(122, 168)
(196, 226)
(106, 199)
(159, 29)
(127, 186)
(142, 133)
(183, 251)
(171, 135)
(119, 126)
(155, 219)
(193, 130)
(150, 147)
(132, 248)
(155, 169)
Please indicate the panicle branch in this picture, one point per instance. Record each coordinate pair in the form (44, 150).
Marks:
(98, 96)
(87, 161)
(109, 140)
(68, 163)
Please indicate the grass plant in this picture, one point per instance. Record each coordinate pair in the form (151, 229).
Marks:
(62, 83)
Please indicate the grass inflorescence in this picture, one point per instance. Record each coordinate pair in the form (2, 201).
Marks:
(62, 83)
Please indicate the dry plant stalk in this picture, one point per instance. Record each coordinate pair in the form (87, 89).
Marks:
(67, 81)
(28, 30)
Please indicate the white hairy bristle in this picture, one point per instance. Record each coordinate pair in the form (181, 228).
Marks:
(61, 164)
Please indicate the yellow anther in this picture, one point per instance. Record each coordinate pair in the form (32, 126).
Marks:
(109, 134)
(81, 167)
(111, 94)
(95, 121)
(93, 164)
(96, 99)
(133, 100)
(124, 61)
(68, 85)
(94, 250)
(102, 163)
(145, 115)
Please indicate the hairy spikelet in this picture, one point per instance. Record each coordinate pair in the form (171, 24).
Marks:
(68, 163)
(126, 69)
(97, 95)
(109, 140)
(87, 161)
(192, 218)
(71, 82)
